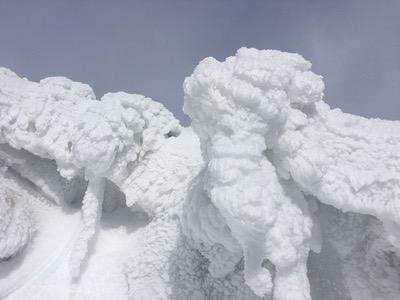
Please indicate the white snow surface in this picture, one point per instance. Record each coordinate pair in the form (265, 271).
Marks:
(271, 194)
(238, 108)
(17, 223)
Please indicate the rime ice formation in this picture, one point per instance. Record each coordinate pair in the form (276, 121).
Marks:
(346, 161)
(61, 120)
(270, 195)
(269, 140)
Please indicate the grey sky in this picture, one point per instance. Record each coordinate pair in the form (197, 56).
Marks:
(149, 47)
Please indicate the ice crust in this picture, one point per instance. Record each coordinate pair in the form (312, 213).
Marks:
(271, 194)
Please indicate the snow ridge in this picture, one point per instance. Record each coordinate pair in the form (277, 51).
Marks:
(61, 120)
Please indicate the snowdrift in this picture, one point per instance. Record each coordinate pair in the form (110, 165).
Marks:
(271, 194)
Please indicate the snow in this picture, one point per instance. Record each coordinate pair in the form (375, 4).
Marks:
(347, 161)
(39, 276)
(270, 194)
(268, 139)
(61, 120)
(17, 224)
(91, 212)
(269, 218)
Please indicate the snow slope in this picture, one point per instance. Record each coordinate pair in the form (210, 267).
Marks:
(270, 194)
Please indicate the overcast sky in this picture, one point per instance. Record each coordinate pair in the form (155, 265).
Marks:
(149, 47)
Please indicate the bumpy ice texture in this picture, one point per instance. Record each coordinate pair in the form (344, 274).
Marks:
(238, 108)
(279, 174)
(269, 140)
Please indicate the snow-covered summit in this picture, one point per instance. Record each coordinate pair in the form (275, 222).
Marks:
(270, 195)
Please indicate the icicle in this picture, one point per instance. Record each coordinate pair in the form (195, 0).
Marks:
(91, 211)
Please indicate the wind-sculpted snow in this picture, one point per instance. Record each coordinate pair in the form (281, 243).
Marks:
(347, 161)
(268, 139)
(238, 108)
(60, 120)
(112, 199)
(163, 264)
